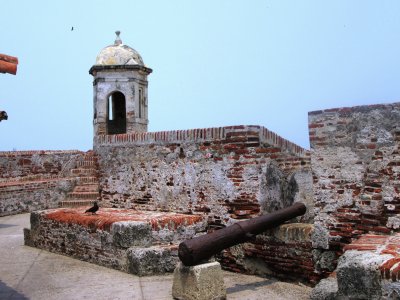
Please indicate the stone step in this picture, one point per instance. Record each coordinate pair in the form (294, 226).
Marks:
(94, 188)
(87, 164)
(88, 180)
(83, 195)
(86, 161)
(76, 203)
(85, 172)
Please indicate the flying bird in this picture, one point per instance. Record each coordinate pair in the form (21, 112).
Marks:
(72, 28)
(93, 209)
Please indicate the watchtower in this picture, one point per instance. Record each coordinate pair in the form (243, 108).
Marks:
(119, 90)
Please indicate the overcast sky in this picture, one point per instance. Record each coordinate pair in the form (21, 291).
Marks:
(215, 63)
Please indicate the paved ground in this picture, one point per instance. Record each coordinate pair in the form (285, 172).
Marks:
(30, 273)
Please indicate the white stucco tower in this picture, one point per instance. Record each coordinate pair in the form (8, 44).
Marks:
(119, 90)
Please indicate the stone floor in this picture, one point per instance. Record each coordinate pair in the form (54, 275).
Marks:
(30, 273)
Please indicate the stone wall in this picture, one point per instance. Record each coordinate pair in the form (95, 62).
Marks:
(229, 173)
(32, 180)
(356, 171)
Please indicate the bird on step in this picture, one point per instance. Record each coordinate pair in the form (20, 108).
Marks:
(93, 209)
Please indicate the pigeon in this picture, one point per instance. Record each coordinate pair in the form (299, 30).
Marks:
(93, 209)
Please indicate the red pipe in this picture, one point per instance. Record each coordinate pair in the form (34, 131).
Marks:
(7, 67)
(9, 58)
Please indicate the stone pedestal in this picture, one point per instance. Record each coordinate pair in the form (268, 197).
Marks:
(201, 282)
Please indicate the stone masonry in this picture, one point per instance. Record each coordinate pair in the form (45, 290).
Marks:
(33, 180)
(369, 269)
(355, 162)
(138, 242)
(227, 174)
(86, 191)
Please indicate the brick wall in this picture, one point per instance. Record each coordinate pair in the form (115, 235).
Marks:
(284, 252)
(32, 180)
(355, 161)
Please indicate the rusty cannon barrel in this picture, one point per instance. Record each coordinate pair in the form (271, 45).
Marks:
(194, 251)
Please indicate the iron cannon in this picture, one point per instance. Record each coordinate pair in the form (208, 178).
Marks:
(194, 251)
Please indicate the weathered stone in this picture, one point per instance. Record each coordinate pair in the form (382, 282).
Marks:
(359, 276)
(324, 260)
(320, 236)
(152, 260)
(294, 232)
(107, 238)
(127, 234)
(27, 238)
(393, 222)
(391, 291)
(148, 172)
(120, 81)
(201, 282)
(35, 180)
(35, 220)
(326, 289)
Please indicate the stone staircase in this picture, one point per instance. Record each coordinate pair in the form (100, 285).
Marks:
(87, 189)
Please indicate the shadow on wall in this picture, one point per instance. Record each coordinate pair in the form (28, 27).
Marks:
(7, 292)
(279, 191)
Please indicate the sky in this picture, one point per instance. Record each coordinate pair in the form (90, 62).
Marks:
(215, 63)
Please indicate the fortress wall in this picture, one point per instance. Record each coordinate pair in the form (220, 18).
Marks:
(32, 180)
(356, 175)
(228, 174)
(261, 135)
(22, 164)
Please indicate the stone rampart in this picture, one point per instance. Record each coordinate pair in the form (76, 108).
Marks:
(355, 161)
(33, 180)
(228, 173)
